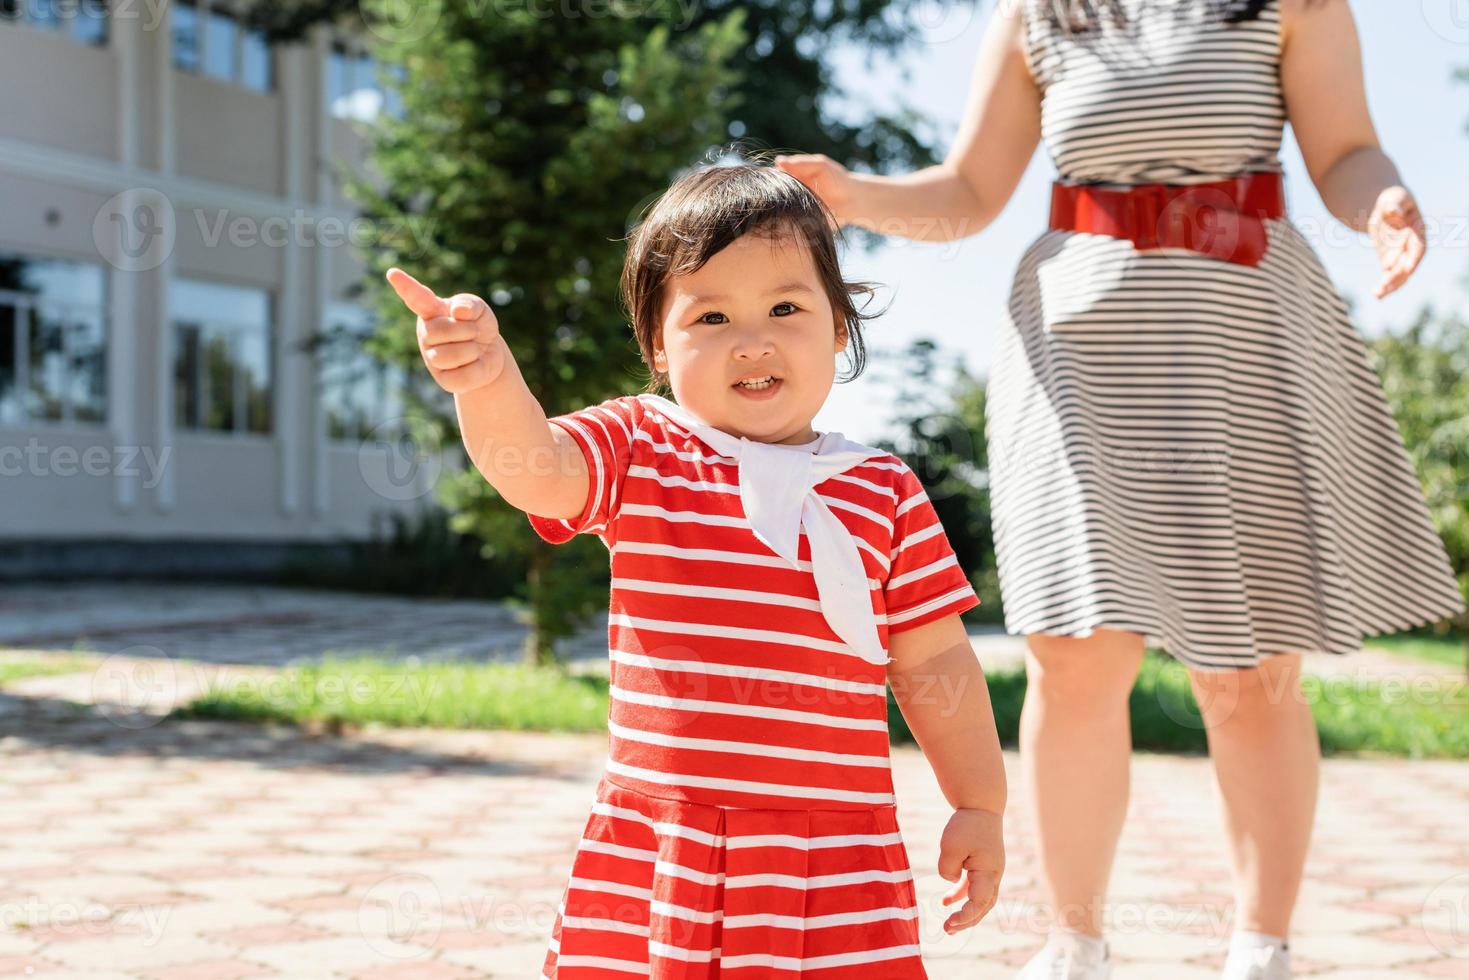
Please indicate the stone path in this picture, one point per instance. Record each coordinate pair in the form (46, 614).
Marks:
(140, 848)
(199, 850)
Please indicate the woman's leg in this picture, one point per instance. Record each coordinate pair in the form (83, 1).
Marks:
(1267, 756)
(1075, 748)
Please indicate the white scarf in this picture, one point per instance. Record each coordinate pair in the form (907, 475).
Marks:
(777, 490)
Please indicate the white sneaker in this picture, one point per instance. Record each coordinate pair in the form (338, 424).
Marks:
(1064, 957)
(1258, 963)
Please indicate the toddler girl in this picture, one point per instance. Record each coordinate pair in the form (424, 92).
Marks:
(768, 582)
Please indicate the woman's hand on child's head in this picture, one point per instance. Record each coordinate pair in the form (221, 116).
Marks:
(972, 845)
(458, 336)
(827, 179)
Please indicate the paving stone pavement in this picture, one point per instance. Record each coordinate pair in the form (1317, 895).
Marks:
(150, 849)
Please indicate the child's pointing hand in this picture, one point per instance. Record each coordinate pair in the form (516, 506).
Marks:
(458, 337)
(973, 843)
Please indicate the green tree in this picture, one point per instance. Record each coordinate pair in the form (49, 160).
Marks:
(788, 93)
(1425, 375)
(940, 425)
(523, 146)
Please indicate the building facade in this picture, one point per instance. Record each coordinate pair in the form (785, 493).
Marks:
(179, 346)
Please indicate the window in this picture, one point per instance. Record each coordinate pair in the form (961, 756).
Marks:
(208, 38)
(185, 20)
(53, 341)
(82, 20)
(360, 394)
(220, 42)
(353, 90)
(222, 377)
(255, 73)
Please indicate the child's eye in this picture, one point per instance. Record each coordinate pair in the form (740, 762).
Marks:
(779, 305)
(706, 316)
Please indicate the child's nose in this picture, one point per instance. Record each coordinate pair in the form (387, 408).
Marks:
(753, 344)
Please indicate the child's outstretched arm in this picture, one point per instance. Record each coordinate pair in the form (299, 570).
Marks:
(532, 464)
(940, 688)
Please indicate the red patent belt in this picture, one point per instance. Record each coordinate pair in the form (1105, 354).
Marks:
(1223, 219)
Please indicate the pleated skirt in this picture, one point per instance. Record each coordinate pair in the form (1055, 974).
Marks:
(666, 889)
(1201, 452)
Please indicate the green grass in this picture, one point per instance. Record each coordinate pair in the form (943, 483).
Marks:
(1419, 718)
(17, 666)
(366, 690)
(1446, 649)
(1427, 719)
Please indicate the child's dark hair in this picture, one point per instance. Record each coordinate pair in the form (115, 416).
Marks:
(704, 211)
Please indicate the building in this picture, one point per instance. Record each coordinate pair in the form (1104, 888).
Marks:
(174, 246)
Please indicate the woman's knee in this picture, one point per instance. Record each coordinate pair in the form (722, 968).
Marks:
(1095, 671)
(1270, 687)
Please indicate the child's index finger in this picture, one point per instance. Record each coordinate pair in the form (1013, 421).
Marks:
(415, 295)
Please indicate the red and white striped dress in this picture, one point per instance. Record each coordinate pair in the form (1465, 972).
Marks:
(745, 823)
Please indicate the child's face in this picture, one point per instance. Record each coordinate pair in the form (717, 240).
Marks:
(755, 309)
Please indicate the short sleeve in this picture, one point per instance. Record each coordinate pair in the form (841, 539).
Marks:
(605, 433)
(925, 581)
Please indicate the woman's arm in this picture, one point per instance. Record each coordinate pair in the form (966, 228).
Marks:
(1326, 102)
(962, 195)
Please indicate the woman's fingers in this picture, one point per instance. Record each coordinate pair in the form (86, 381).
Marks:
(415, 295)
(1400, 259)
(1397, 229)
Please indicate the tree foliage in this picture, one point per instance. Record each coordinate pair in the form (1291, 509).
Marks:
(1425, 375)
(524, 150)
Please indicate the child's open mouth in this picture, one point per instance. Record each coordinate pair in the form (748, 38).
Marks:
(763, 386)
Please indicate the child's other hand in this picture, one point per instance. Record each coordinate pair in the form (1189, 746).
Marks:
(973, 843)
(458, 337)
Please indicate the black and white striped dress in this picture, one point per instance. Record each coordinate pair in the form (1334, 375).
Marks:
(1180, 446)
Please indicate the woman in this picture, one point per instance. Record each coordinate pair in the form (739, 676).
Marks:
(1187, 441)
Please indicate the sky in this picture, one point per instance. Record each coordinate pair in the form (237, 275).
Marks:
(955, 293)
